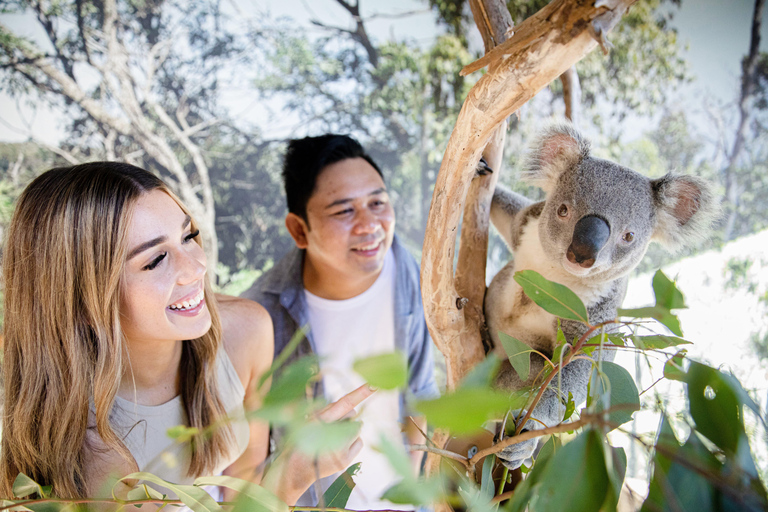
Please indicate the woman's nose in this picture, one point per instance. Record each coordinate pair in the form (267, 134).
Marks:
(193, 264)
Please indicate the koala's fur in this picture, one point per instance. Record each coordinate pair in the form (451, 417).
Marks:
(675, 210)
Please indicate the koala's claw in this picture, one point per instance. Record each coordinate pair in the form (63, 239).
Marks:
(482, 168)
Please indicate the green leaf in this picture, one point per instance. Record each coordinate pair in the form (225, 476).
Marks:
(338, 493)
(487, 489)
(667, 294)
(23, 486)
(570, 407)
(194, 497)
(476, 406)
(714, 407)
(397, 457)
(623, 395)
(182, 433)
(673, 368)
(144, 492)
(254, 495)
(614, 338)
(519, 355)
(663, 315)
(483, 374)
(416, 491)
(292, 382)
(575, 476)
(616, 468)
(384, 371)
(658, 341)
(283, 356)
(552, 297)
(315, 438)
(677, 486)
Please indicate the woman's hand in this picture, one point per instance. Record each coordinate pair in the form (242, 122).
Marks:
(292, 472)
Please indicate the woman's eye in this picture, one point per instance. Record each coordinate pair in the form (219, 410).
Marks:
(192, 235)
(155, 262)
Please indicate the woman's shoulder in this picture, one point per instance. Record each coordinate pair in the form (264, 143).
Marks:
(247, 335)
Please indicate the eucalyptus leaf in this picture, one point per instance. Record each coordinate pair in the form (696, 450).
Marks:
(483, 374)
(487, 489)
(612, 338)
(519, 355)
(315, 438)
(658, 341)
(666, 292)
(384, 371)
(575, 476)
(714, 406)
(338, 493)
(616, 469)
(465, 410)
(144, 492)
(284, 354)
(673, 368)
(623, 396)
(194, 497)
(552, 297)
(397, 457)
(256, 495)
(570, 407)
(23, 486)
(663, 315)
(292, 382)
(416, 491)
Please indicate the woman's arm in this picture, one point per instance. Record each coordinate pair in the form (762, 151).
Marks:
(249, 341)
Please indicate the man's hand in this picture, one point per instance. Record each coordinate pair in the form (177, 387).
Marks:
(293, 472)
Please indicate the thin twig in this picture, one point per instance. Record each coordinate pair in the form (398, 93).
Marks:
(443, 453)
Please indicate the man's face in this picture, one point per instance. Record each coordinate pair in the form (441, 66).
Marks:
(350, 228)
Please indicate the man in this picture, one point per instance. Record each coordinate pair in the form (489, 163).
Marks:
(357, 289)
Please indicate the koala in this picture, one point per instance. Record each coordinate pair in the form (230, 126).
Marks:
(589, 233)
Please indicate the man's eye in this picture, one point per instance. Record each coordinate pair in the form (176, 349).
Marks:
(192, 235)
(155, 262)
(344, 212)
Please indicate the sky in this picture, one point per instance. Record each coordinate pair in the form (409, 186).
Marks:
(716, 34)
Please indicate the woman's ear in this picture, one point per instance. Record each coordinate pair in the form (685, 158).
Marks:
(298, 229)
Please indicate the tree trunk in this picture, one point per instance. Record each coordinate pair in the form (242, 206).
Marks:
(542, 48)
(747, 89)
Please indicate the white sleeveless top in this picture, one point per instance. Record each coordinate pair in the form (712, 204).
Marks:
(143, 428)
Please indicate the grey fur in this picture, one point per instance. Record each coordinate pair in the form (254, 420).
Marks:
(674, 210)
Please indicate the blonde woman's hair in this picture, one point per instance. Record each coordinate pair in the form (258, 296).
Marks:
(64, 347)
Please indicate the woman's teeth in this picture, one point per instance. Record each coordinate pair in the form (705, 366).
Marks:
(190, 304)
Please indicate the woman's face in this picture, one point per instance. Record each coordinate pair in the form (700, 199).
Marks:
(163, 280)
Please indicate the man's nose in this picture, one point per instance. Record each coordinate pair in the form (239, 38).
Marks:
(366, 222)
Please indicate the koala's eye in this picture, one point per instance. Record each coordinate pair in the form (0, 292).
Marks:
(628, 236)
(562, 211)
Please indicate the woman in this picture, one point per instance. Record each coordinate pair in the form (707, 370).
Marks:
(104, 278)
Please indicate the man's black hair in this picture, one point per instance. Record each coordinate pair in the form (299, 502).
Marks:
(306, 158)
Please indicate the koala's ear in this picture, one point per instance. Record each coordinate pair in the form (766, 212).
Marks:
(557, 148)
(686, 207)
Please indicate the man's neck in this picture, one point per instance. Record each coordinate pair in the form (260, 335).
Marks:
(326, 283)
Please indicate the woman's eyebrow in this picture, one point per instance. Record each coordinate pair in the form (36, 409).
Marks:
(155, 241)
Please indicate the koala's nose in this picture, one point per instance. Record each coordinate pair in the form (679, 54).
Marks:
(589, 236)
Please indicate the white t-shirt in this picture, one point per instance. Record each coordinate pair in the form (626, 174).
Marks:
(344, 331)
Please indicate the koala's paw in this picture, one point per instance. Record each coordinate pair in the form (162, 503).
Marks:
(514, 456)
(482, 168)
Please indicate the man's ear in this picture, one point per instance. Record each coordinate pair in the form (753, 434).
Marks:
(298, 229)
